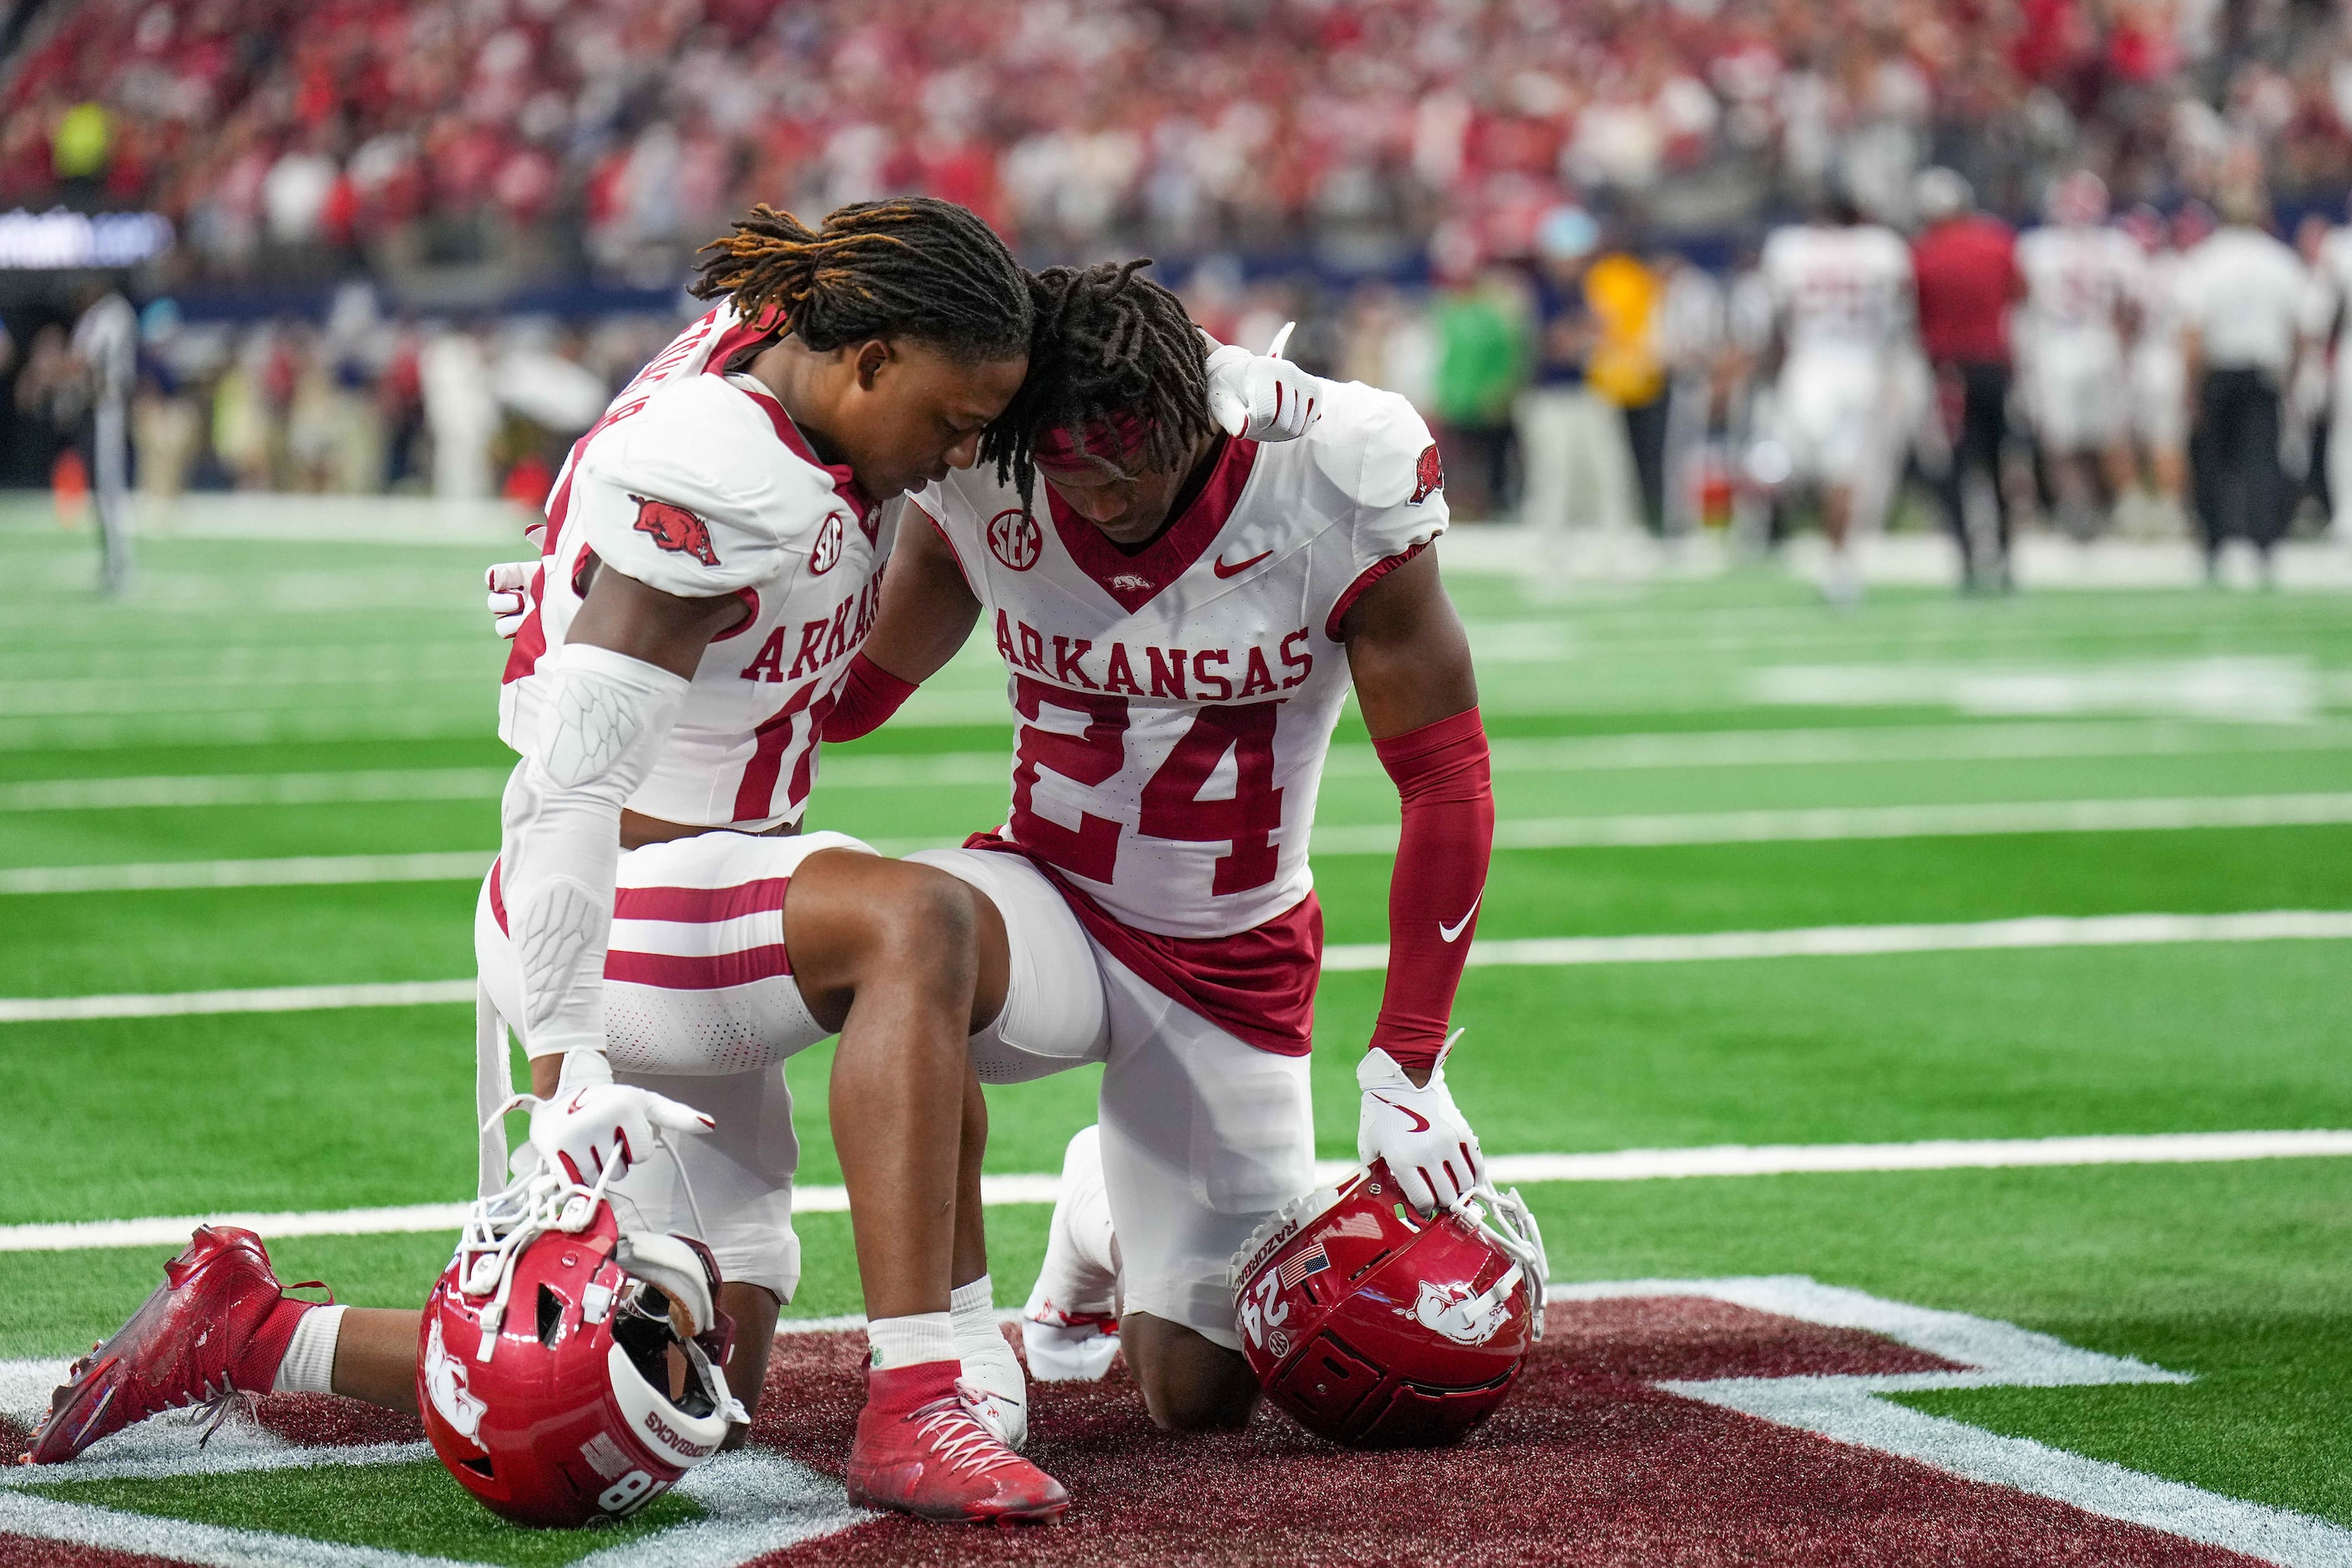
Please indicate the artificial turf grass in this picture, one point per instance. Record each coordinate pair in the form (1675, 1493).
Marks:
(203, 939)
(2239, 1273)
(2212, 1036)
(359, 1108)
(413, 1507)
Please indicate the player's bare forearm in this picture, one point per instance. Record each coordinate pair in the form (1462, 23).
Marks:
(927, 609)
(1407, 651)
(625, 615)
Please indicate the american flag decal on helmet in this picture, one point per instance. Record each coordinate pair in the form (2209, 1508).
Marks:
(1314, 1261)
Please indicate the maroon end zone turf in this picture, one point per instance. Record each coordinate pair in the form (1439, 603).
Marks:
(30, 1552)
(1586, 1464)
(322, 1421)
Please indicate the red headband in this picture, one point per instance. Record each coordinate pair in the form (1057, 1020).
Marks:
(1111, 437)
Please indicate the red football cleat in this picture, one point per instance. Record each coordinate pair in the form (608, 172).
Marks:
(218, 1325)
(936, 1462)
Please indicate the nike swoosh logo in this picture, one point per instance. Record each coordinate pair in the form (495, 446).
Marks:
(1238, 567)
(580, 1097)
(1420, 1122)
(1450, 932)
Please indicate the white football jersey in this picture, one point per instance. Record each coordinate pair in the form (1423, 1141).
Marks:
(696, 482)
(2159, 300)
(1175, 705)
(1839, 290)
(2076, 277)
(2329, 296)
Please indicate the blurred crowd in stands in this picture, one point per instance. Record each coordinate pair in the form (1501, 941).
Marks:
(280, 133)
(1540, 219)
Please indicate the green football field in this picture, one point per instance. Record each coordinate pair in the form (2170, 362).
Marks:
(1673, 761)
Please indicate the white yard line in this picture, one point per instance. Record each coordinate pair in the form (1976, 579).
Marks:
(1849, 941)
(271, 999)
(1817, 824)
(302, 871)
(1802, 942)
(1571, 755)
(1612, 1166)
(357, 786)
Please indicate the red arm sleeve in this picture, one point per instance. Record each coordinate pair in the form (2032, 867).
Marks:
(1442, 778)
(869, 695)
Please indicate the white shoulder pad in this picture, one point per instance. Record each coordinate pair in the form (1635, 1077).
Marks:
(1376, 448)
(696, 496)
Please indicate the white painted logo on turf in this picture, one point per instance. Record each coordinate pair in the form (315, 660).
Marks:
(445, 1384)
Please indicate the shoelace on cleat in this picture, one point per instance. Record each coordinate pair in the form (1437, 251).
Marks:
(956, 1437)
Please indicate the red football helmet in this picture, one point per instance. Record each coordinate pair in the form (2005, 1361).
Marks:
(545, 1365)
(1377, 1328)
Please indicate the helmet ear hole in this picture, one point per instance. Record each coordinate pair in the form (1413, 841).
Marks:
(550, 1316)
(480, 1467)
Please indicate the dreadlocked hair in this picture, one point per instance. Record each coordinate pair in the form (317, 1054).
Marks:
(910, 267)
(1105, 344)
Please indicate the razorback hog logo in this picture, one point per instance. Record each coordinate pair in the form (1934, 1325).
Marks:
(1428, 474)
(676, 530)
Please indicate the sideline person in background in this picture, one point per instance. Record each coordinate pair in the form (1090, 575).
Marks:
(1623, 292)
(1966, 266)
(2326, 325)
(2242, 297)
(1579, 473)
(1480, 366)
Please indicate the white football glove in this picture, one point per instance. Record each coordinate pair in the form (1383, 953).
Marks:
(588, 1125)
(509, 586)
(1262, 397)
(1429, 1148)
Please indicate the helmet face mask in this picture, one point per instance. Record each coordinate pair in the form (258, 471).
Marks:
(1376, 1327)
(568, 1373)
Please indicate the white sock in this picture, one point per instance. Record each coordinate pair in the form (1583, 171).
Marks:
(991, 1370)
(974, 1308)
(911, 1341)
(310, 1364)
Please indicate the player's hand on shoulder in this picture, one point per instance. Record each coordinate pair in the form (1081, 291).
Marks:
(591, 1125)
(511, 604)
(1417, 1129)
(1262, 397)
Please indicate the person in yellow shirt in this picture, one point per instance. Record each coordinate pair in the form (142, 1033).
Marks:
(1623, 292)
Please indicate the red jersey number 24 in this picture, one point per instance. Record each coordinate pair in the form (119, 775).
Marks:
(1172, 807)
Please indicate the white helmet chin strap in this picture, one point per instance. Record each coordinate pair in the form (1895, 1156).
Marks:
(1508, 1224)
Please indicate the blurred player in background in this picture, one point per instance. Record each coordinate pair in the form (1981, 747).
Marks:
(2157, 378)
(2326, 321)
(1844, 324)
(1967, 280)
(2080, 278)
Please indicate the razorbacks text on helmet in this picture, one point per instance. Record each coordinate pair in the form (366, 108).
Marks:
(1175, 705)
(696, 483)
